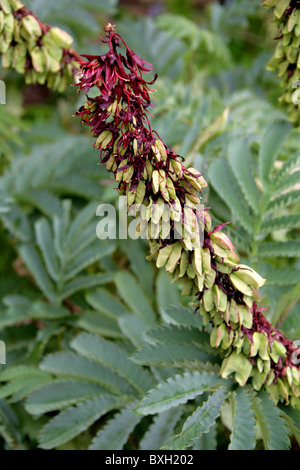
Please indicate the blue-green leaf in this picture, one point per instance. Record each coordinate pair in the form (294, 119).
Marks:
(198, 423)
(243, 429)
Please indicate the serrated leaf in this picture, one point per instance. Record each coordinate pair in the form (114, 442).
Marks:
(287, 168)
(270, 146)
(69, 364)
(115, 433)
(85, 282)
(285, 304)
(177, 390)
(61, 222)
(81, 220)
(87, 258)
(133, 295)
(58, 395)
(176, 355)
(44, 311)
(18, 224)
(97, 323)
(239, 158)
(76, 419)
(23, 386)
(76, 185)
(273, 429)
(180, 334)
(227, 188)
(103, 301)
(142, 269)
(207, 441)
(133, 328)
(166, 292)
(289, 182)
(283, 200)
(292, 418)
(42, 199)
(180, 315)
(35, 265)
(198, 423)
(161, 429)
(243, 429)
(10, 427)
(286, 222)
(283, 277)
(290, 249)
(13, 316)
(113, 356)
(18, 371)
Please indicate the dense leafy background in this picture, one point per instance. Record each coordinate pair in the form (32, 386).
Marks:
(102, 350)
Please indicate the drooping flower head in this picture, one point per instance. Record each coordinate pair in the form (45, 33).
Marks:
(153, 177)
(286, 62)
(33, 48)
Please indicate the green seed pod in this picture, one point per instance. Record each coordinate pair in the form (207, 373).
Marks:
(140, 192)
(174, 257)
(260, 346)
(249, 276)
(103, 139)
(200, 282)
(31, 26)
(198, 260)
(163, 255)
(191, 272)
(208, 300)
(206, 260)
(6, 6)
(196, 180)
(177, 168)
(161, 149)
(110, 162)
(258, 379)
(7, 58)
(217, 334)
(238, 364)
(187, 286)
(184, 260)
(246, 315)
(149, 168)
(276, 351)
(220, 299)
(128, 173)
(61, 38)
(155, 181)
(158, 211)
(16, 4)
(222, 241)
(156, 153)
(130, 196)
(240, 285)
(135, 146)
(210, 278)
(171, 188)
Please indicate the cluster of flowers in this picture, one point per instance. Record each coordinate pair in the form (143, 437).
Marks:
(286, 59)
(33, 48)
(152, 175)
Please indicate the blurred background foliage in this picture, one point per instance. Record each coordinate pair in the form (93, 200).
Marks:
(214, 104)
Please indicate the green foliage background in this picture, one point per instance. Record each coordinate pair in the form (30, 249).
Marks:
(102, 351)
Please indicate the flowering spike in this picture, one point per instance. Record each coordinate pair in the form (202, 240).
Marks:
(33, 48)
(152, 174)
(286, 59)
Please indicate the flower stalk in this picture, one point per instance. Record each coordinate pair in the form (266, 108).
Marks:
(152, 175)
